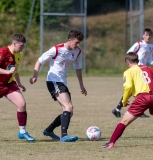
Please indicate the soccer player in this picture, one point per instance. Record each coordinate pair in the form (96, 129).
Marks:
(144, 50)
(10, 57)
(138, 81)
(62, 57)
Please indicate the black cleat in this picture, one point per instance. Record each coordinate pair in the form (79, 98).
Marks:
(144, 116)
(116, 113)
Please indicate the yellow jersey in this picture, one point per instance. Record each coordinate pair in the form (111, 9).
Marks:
(137, 79)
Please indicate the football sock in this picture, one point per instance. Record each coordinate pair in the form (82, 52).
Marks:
(54, 124)
(120, 105)
(22, 118)
(22, 129)
(117, 110)
(117, 132)
(65, 120)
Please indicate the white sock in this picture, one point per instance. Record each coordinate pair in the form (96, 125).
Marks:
(117, 110)
(22, 129)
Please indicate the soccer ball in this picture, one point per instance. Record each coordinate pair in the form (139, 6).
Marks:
(93, 133)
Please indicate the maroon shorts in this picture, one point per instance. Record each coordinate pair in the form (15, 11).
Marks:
(8, 88)
(142, 102)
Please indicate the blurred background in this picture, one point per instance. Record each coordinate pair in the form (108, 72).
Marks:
(110, 28)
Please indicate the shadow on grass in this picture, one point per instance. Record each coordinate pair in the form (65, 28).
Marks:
(86, 139)
(79, 139)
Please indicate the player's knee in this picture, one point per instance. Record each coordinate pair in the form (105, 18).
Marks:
(126, 122)
(22, 106)
(69, 107)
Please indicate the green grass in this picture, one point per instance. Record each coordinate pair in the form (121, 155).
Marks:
(104, 93)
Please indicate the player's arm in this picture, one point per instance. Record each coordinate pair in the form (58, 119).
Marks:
(45, 56)
(5, 71)
(17, 78)
(150, 58)
(35, 73)
(128, 86)
(79, 75)
(78, 67)
(134, 48)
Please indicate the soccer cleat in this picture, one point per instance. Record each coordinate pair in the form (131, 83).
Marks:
(116, 113)
(144, 116)
(108, 145)
(68, 139)
(26, 136)
(52, 135)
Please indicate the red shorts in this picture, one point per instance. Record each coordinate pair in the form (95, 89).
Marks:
(142, 102)
(8, 88)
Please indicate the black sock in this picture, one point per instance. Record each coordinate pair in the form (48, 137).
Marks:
(54, 124)
(65, 120)
(120, 105)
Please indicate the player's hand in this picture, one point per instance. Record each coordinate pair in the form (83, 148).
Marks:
(127, 104)
(22, 86)
(33, 80)
(11, 71)
(83, 90)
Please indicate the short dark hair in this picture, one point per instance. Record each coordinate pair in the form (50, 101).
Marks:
(76, 34)
(132, 57)
(147, 30)
(19, 38)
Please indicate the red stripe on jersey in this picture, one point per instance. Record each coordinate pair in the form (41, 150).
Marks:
(79, 52)
(56, 47)
(138, 47)
(148, 74)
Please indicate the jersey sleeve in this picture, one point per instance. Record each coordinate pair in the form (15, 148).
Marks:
(150, 59)
(78, 62)
(47, 55)
(2, 58)
(134, 48)
(127, 85)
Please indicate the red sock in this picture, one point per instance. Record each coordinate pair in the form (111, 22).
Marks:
(22, 118)
(117, 132)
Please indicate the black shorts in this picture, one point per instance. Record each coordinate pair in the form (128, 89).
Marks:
(56, 87)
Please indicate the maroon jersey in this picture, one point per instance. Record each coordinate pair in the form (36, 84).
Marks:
(6, 58)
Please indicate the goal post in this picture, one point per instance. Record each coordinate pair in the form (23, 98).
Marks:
(136, 20)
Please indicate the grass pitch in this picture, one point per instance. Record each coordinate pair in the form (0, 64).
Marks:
(104, 93)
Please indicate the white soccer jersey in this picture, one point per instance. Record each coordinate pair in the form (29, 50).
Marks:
(144, 51)
(61, 60)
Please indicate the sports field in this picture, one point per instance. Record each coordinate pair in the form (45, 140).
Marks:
(94, 109)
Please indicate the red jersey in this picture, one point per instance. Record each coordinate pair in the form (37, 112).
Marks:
(8, 58)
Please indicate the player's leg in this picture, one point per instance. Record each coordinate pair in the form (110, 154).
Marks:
(116, 111)
(127, 119)
(49, 131)
(140, 104)
(64, 99)
(17, 99)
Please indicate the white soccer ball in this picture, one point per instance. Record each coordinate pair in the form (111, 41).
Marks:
(93, 133)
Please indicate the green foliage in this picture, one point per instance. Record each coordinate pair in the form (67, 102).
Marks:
(7, 6)
(20, 9)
